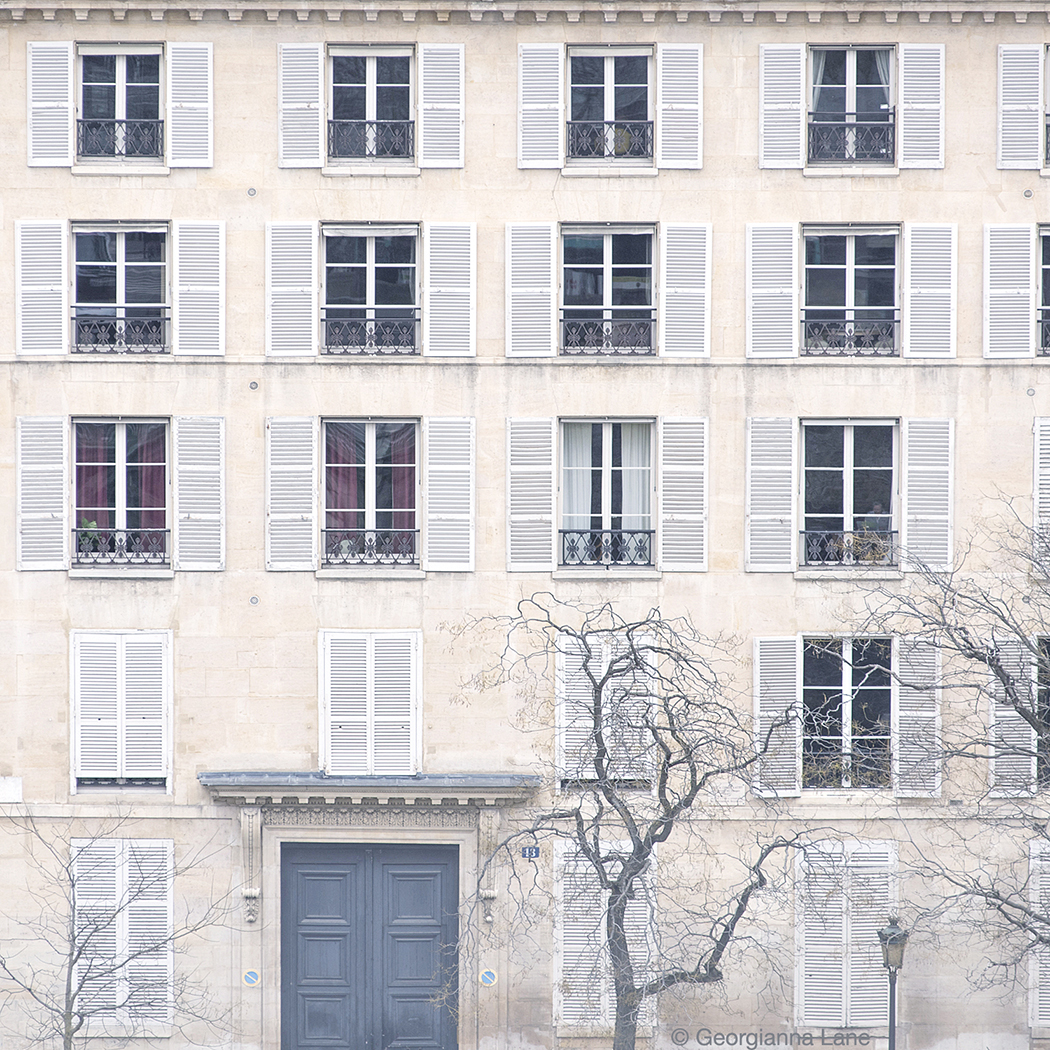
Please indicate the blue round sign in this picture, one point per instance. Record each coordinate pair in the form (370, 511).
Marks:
(487, 977)
(250, 977)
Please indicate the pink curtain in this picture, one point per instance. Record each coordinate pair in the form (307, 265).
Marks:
(95, 475)
(146, 475)
(344, 475)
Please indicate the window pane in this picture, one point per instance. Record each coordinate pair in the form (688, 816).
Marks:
(346, 249)
(872, 446)
(348, 69)
(142, 103)
(873, 67)
(395, 286)
(345, 286)
(876, 288)
(392, 103)
(395, 249)
(144, 284)
(825, 287)
(99, 69)
(146, 442)
(348, 103)
(392, 69)
(96, 443)
(824, 446)
(875, 249)
(96, 247)
(96, 284)
(631, 103)
(143, 69)
(140, 246)
(824, 496)
(825, 251)
(829, 67)
(587, 69)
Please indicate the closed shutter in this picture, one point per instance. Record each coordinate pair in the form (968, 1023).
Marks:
(1010, 291)
(1039, 961)
(921, 97)
(821, 992)
(871, 902)
(772, 291)
(300, 94)
(448, 472)
(770, 543)
(97, 700)
(345, 686)
(541, 106)
(146, 690)
(916, 722)
(575, 667)
(149, 929)
(685, 296)
(683, 494)
(97, 927)
(200, 532)
(448, 301)
(1021, 109)
(291, 289)
(190, 105)
(777, 718)
(679, 105)
(1014, 742)
(929, 291)
(1041, 500)
(531, 465)
(441, 105)
(928, 494)
(531, 289)
(49, 93)
(43, 492)
(782, 105)
(42, 283)
(199, 286)
(291, 493)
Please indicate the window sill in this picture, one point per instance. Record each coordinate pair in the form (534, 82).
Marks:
(371, 574)
(608, 172)
(384, 171)
(850, 573)
(131, 573)
(856, 171)
(614, 572)
(120, 170)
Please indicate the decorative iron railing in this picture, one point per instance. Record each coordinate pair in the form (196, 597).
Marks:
(392, 139)
(94, 546)
(859, 547)
(371, 546)
(371, 335)
(853, 335)
(1042, 348)
(119, 335)
(851, 138)
(585, 336)
(120, 138)
(610, 139)
(606, 546)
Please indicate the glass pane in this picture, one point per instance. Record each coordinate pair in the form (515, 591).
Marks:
(345, 286)
(144, 247)
(873, 67)
(825, 251)
(829, 67)
(96, 442)
(631, 69)
(825, 287)
(392, 103)
(96, 247)
(871, 662)
(146, 442)
(395, 249)
(824, 446)
(142, 103)
(348, 69)
(631, 287)
(393, 69)
(99, 69)
(346, 249)
(143, 69)
(587, 69)
(875, 249)
(348, 103)
(874, 288)
(872, 445)
(144, 284)
(395, 286)
(824, 496)
(344, 442)
(632, 248)
(96, 284)
(100, 102)
(631, 103)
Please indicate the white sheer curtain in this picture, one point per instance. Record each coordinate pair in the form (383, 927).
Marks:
(576, 482)
(818, 58)
(637, 486)
(882, 63)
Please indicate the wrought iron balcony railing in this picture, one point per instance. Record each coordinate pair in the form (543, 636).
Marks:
(372, 139)
(861, 547)
(851, 138)
(120, 138)
(596, 336)
(93, 334)
(371, 546)
(610, 139)
(94, 546)
(371, 335)
(1042, 348)
(867, 765)
(606, 546)
(856, 334)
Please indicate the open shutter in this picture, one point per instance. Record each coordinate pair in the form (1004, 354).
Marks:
(1041, 497)
(1009, 291)
(685, 291)
(777, 717)
(770, 543)
(772, 290)
(42, 282)
(345, 688)
(1039, 961)
(921, 106)
(49, 92)
(531, 464)
(1014, 745)
(199, 305)
(291, 289)
(916, 721)
(870, 902)
(782, 105)
(679, 105)
(541, 105)
(531, 289)
(683, 494)
(97, 699)
(200, 533)
(146, 690)
(448, 302)
(300, 94)
(97, 912)
(291, 493)
(821, 967)
(928, 493)
(1021, 109)
(149, 929)
(929, 291)
(448, 471)
(441, 105)
(190, 105)
(43, 498)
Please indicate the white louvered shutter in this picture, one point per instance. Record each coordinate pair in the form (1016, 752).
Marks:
(148, 973)
(1041, 481)
(777, 717)
(291, 289)
(821, 995)
(916, 722)
(43, 496)
(679, 105)
(685, 290)
(97, 701)
(1039, 961)
(146, 690)
(928, 493)
(531, 464)
(190, 106)
(345, 687)
(49, 92)
(532, 285)
(583, 993)
(97, 912)
(1010, 290)
(199, 288)
(772, 291)
(449, 309)
(782, 105)
(870, 903)
(1014, 743)
(300, 99)
(441, 108)
(683, 494)
(770, 543)
(541, 105)
(920, 97)
(200, 532)
(395, 702)
(42, 288)
(291, 493)
(929, 291)
(1021, 108)
(448, 472)
(574, 693)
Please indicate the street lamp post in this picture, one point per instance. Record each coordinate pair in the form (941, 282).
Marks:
(892, 938)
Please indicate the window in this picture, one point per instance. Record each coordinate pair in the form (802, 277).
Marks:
(851, 106)
(121, 709)
(610, 105)
(371, 105)
(120, 104)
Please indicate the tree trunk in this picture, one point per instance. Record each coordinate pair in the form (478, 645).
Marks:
(626, 1031)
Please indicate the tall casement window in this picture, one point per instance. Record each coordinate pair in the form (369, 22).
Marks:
(607, 493)
(371, 493)
(610, 105)
(371, 105)
(120, 103)
(851, 106)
